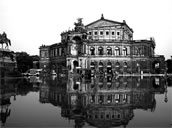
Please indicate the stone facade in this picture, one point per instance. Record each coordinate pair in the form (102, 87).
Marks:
(7, 62)
(103, 46)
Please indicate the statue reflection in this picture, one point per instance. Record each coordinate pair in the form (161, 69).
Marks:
(103, 101)
(11, 87)
(8, 89)
(5, 111)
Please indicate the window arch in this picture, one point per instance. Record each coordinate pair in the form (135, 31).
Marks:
(117, 67)
(117, 98)
(92, 65)
(100, 64)
(117, 51)
(109, 50)
(117, 64)
(100, 50)
(109, 64)
(76, 39)
(125, 64)
(92, 50)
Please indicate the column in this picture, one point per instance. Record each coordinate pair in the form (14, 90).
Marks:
(104, 50)
(96, 50)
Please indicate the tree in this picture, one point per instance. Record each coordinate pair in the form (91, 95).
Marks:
(24, 61)
(169, 66)
(4, 40)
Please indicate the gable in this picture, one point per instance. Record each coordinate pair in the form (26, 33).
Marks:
(102, 23)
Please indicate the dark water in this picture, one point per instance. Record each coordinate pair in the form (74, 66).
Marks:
(77, 102)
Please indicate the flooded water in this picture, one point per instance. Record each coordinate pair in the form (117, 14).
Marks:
(77, 102)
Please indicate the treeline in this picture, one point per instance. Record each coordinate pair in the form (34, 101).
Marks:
(26, 62)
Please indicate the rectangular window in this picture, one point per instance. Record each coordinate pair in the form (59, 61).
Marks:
(95, 33)
(90, 33)
(113, 33)
(118, 33)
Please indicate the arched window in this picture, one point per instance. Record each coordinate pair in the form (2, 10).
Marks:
(92, 100)
(100, 64)
(75, 86)
(109, 99)
(117, 67)
(125, 64)
(125, 67)
(92, 65)
(101, 78)
(138, 67)
(92, 50)
(117, 51)
(109, 67)
(92, 83)
(101, 99)
(117, 64)
(124, 98)
(76, 39)
(109, 51)
(101, 67)
(117, 98)
(100, 50)
(109, 64)
(124, 51)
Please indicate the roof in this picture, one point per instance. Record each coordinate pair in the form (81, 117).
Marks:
(111, 21)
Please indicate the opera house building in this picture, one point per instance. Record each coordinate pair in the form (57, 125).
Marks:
(103, 46)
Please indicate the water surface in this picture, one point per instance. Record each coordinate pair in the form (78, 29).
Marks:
(78, 102)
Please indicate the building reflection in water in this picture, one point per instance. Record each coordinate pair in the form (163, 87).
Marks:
(102, 101)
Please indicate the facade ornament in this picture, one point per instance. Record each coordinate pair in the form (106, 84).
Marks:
(79, 26)
(102, 17)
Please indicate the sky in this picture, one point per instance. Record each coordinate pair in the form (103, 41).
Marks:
(31, 23)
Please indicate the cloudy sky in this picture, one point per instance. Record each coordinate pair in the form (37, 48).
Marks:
(31, 23)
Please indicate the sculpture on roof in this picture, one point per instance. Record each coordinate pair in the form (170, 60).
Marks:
(79, 23)
(79, 26)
